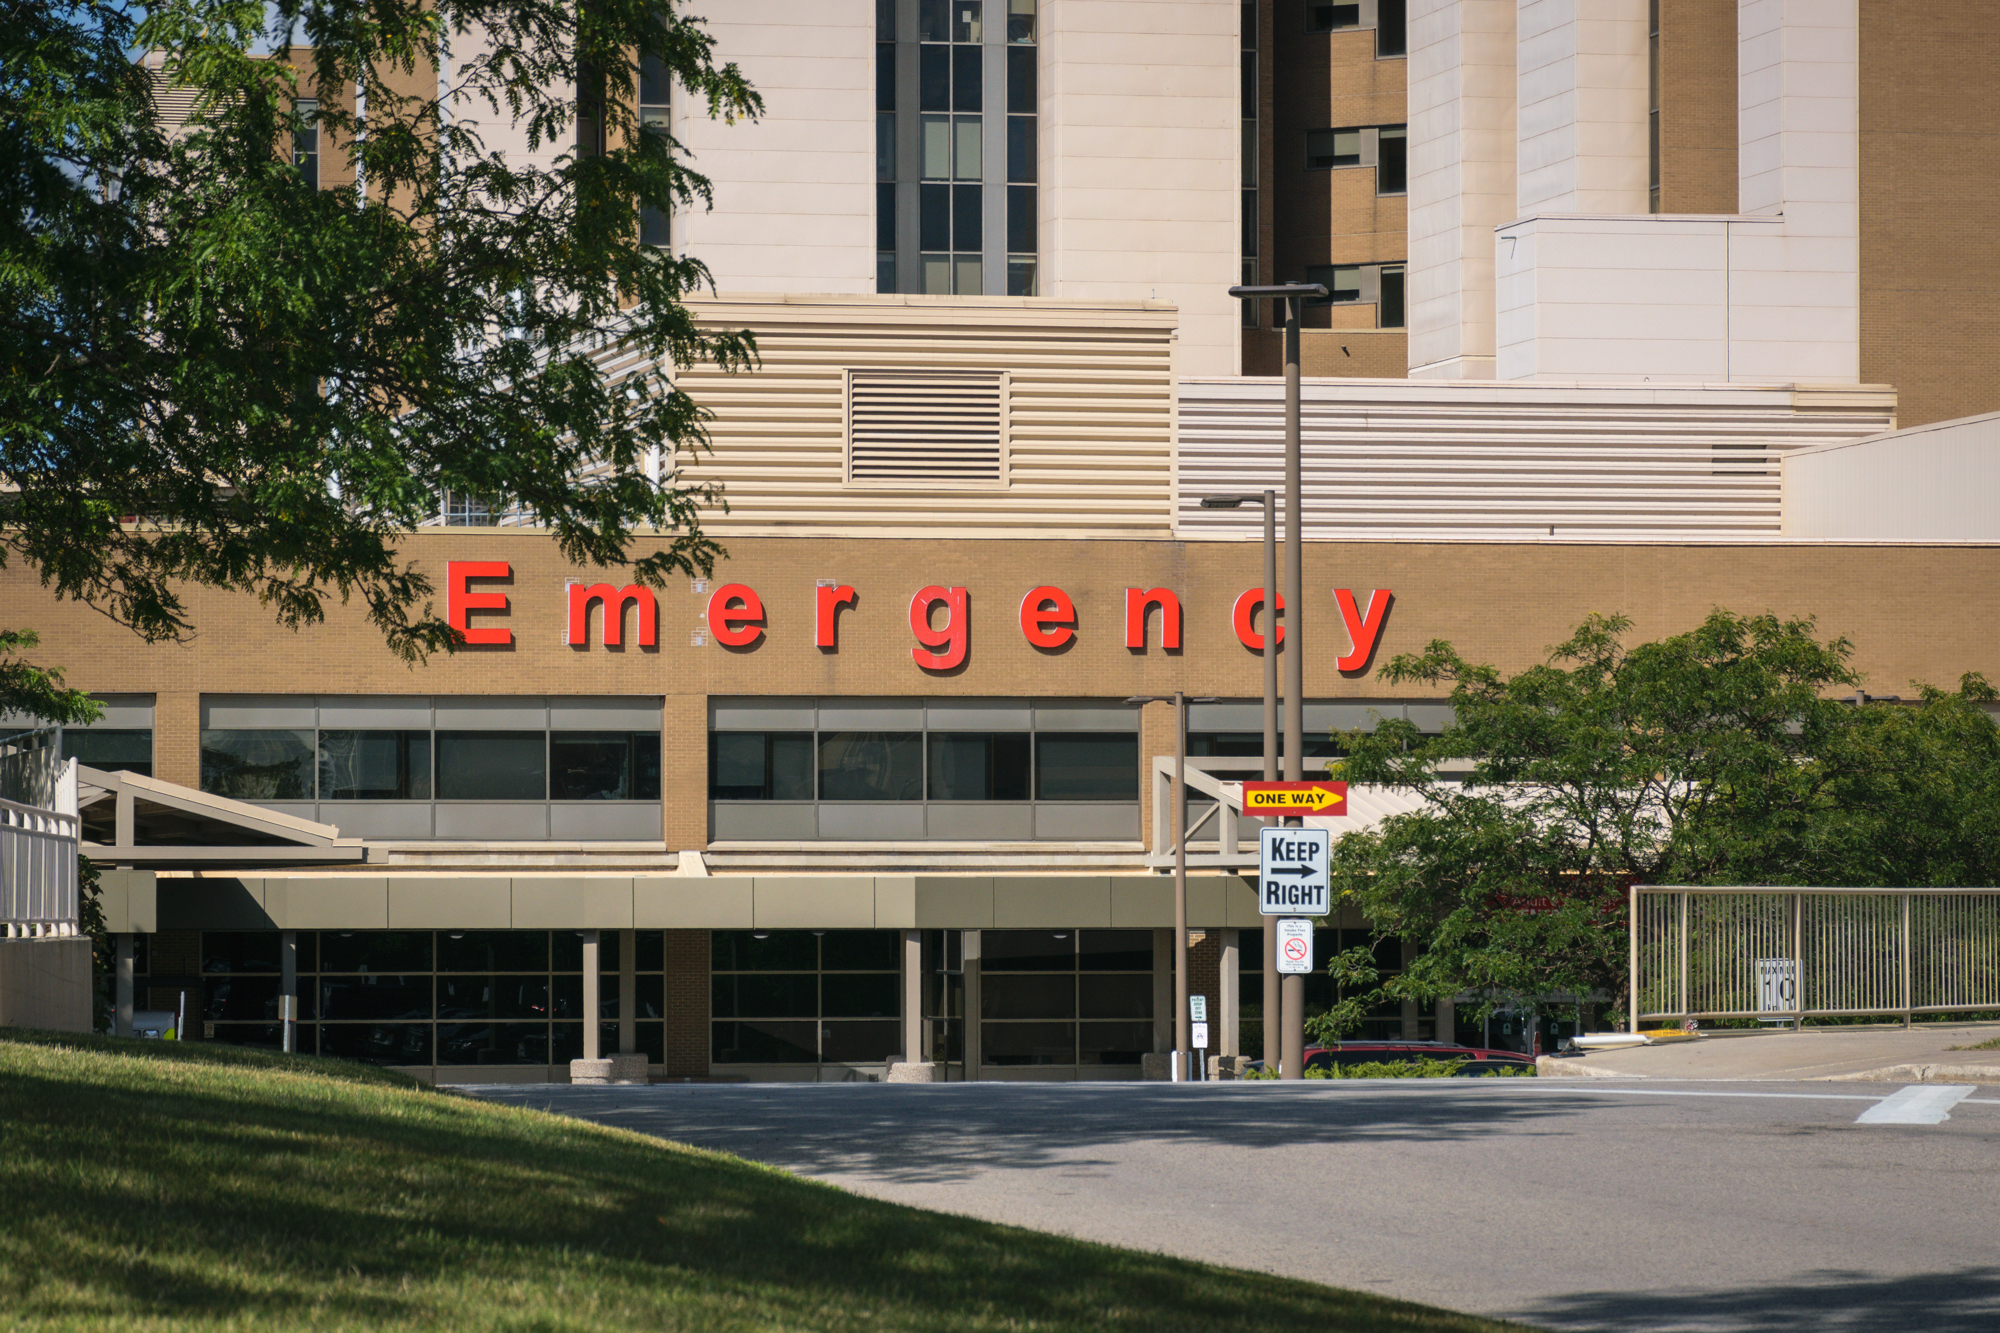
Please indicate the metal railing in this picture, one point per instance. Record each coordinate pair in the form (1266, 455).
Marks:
(38, 871)
(1777, 953)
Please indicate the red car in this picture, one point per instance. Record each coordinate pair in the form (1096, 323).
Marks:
(1477, 1061)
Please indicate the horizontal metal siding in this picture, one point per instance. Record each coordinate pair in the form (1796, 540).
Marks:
(1089, 426)
(1506, 463)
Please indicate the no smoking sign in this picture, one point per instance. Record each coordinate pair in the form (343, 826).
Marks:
(1295, 945)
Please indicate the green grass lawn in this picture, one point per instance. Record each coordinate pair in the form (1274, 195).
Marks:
(159, 1186)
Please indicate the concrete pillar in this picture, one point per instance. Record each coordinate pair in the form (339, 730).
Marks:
(288, 977)
(1228, 1001)
(972, 1005)
(121, 1022)
(628, 992)
(1446, 1016)
(913, 996)
(591, 1000)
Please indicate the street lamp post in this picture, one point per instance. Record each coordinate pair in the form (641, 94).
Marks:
(1273, 1013)
(1294, 295)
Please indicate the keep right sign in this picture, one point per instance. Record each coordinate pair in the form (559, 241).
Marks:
(1292, 871)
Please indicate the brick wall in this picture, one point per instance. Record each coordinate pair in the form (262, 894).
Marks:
(687, 1003)
(1697, 106)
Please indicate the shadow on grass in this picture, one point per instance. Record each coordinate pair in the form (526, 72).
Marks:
(938, 1134)
(1963, 1301)
(190, 1184)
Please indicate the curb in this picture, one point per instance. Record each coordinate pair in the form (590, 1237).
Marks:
(1925, 1074)
(1548, 1066)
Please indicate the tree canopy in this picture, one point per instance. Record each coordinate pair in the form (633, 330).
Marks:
(1725, 755)
(217, 375)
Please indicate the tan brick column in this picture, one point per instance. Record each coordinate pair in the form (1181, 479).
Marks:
(687, 1003)
(177, 738)
(684, 774)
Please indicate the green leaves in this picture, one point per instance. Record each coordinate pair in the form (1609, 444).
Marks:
(1720, 756)
(215, 374)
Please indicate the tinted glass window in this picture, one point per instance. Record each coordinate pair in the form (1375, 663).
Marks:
(111, 749)
(492, 766)
(764, 951)
(237, 951)
(603, 766)
(375, 950)
(493, 951)
(1026, 951)
(1392, 173)
(374, 765)
(871, 766)
(978, 767)
(1086, 767)
(1021, 81)
(258, 765)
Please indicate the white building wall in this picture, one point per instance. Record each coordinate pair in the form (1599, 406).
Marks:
(1934, 483)
(1462, 179)
(1141, 174)
(1770, 295)
(794, 206)
(1582, 78)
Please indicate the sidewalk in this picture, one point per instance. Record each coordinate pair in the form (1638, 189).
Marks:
(1921, 1054)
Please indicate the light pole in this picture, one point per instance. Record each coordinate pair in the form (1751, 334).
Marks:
(1273, 1004)
(1294, 295)
(1181, 1034)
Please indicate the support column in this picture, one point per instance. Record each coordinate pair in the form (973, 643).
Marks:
(121, 1020)
(1163, 990)
(592, 1002)
(1446, 1017)
(972, 1006)
(1228, 1001)
(913, 997)
(288, 980)
(628, 993)
(1412, 1019)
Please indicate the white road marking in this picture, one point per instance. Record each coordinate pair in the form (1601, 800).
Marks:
(1919, 1104)
(1664, 1092)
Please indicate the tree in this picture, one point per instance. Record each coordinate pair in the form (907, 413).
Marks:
(1718, 756)
(217, 375)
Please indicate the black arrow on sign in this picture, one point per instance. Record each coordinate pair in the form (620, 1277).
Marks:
(1297, 872)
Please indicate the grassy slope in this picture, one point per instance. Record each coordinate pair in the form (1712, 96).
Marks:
(149, 1185)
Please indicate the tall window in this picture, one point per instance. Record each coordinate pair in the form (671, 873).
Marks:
(655, 226)
(1653, 106)
(305, 143)
(804, 997)
(972, 124)
(1247, 40)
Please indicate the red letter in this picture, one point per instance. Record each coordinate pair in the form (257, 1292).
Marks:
(826, 612)
(1245, 617)
(737, 627)
(1363, 631)
(613, 599)
(1051, 628)
(953, 639)
(1136, 602)
(459, 599)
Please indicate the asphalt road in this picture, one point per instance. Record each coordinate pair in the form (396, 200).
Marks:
(1607, 1206)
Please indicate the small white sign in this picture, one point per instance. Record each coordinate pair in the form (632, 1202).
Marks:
(1777, 985)
(1198, 1009)
(1200, 1036)
(1295, 945)
(1292, 872)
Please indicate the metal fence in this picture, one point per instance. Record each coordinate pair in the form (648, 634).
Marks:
(1803, 953)
(38, 871)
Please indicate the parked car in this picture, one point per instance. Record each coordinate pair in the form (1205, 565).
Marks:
(1476, 1060)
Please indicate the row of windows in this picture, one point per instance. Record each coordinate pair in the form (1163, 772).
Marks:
(920, 766)
(297, 764)
(1387, 17)
(1384, 147)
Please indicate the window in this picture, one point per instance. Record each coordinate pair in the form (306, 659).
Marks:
(760, 766)
(1653, 106)
(987, 769)
(1392, 160)
(655, 227)
(801, 997)
(1333, 148)
(113, 749)
(417, 767)
(415, 997)
(1065, 997)
(305, 143)
(1380, 285)
(1252, 151)
(1386, 17)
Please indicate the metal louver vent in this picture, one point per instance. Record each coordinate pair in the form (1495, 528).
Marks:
(914, 429)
